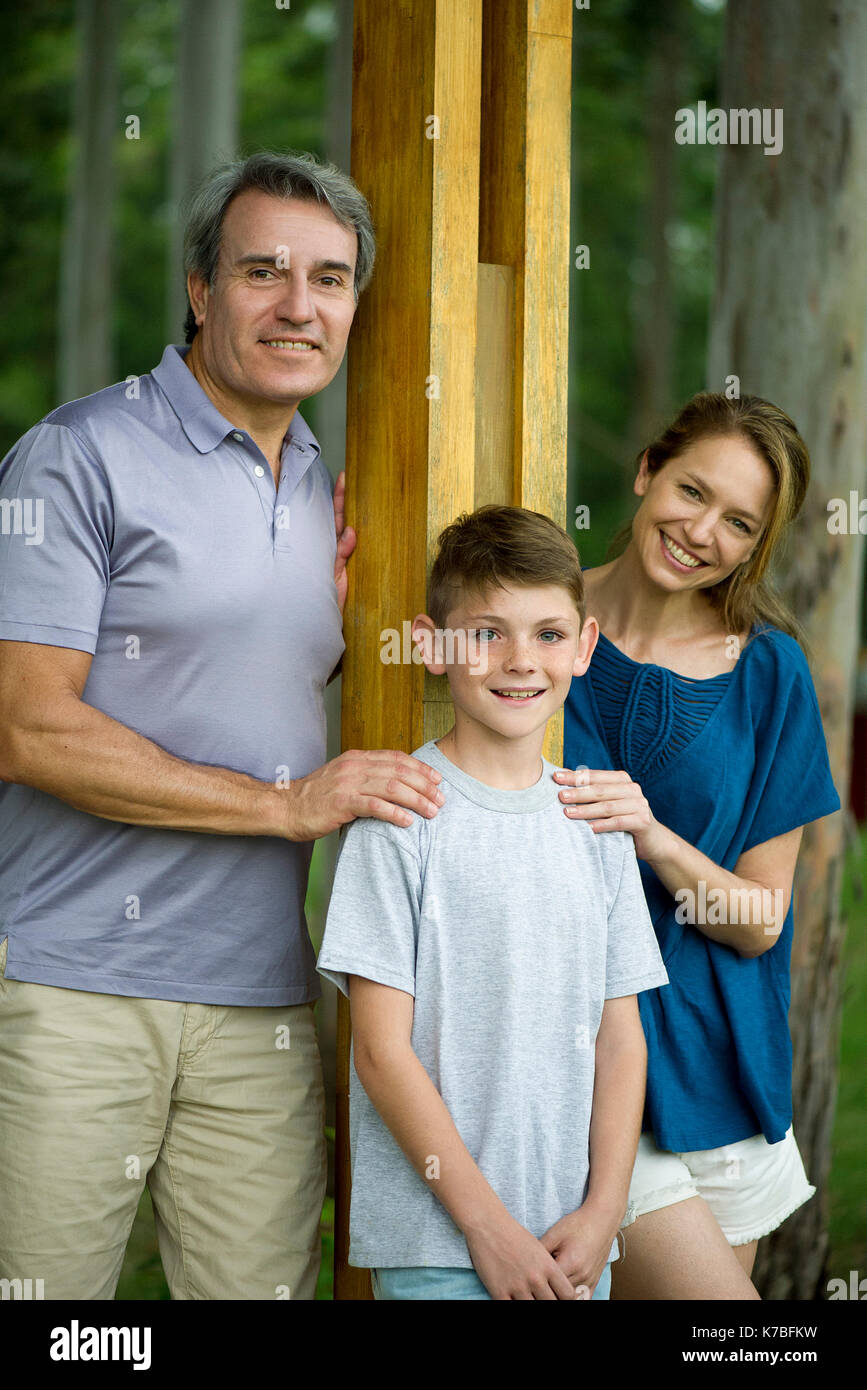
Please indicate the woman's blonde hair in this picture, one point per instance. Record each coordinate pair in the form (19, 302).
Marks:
(747, 596)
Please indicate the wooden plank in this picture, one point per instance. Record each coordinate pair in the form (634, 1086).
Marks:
(490, 82)
(495, 387)
(410, 412)
(524, 224)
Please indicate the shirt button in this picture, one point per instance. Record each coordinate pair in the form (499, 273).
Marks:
(237, 435)
(259, 471)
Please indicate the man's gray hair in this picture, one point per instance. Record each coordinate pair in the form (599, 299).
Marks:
(284, 176)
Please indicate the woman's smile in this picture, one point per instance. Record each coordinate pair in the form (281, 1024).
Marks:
(682, 560)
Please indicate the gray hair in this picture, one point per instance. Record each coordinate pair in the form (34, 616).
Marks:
(284, 176)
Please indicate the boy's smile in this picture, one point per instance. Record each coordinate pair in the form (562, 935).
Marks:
(528, 640)
(518, 693)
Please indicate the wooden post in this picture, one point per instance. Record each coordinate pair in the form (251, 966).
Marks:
(458, 359)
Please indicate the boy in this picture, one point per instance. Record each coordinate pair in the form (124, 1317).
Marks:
(492, 957)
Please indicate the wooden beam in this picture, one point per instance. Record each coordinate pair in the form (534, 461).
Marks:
(461, 117)
(524, 197)
(410, 409)
(495, 385)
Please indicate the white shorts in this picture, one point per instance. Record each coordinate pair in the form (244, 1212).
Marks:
(750, 1186)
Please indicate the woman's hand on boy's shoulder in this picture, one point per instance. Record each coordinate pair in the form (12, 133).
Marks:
(611, 800)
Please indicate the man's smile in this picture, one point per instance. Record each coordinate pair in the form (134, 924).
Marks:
(290, 344)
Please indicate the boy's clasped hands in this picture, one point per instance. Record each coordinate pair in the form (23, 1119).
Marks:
(565, 1263)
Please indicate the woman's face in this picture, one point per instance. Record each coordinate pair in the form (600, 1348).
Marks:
(703, 512)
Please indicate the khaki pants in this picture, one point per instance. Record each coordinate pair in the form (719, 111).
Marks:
(219, 1108)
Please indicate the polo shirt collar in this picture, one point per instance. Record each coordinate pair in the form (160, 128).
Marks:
(200, 419)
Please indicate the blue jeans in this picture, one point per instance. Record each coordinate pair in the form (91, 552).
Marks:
(435, 1282)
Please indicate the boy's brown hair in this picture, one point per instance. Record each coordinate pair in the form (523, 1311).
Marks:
(495, 546)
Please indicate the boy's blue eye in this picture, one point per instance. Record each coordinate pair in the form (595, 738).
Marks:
(482, 630)
(549, 632)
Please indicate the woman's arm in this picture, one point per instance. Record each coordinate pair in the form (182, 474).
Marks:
(752, 902)
(746, 909)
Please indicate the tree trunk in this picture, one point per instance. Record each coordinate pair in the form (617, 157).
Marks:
(84, 356)
(205, 122)
(789, 320)
(655, 306)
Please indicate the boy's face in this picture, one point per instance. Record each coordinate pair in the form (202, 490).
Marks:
(528, 649)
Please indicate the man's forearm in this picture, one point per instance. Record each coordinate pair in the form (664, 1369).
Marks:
(418, 1117)
(96, 764)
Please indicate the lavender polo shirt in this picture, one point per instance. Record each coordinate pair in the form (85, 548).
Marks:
(142, 527)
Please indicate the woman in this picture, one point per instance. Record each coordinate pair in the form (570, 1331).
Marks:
(700, 697)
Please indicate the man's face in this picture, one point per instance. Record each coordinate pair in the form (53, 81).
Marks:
(276, 323)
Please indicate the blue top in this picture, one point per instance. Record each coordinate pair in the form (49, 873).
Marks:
(726, 763)
(152, 535)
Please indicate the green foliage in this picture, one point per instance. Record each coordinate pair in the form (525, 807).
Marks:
(283, 80)
(847, 1225)
(612, 170)
(141, 211)
(282, 106)
(35, 98)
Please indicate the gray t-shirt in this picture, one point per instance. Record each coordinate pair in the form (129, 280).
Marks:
(510, 924)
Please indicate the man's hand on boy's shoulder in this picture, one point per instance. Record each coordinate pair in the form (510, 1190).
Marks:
(580, 1243)
(381, 782)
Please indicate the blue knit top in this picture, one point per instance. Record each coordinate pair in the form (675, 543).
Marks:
(726, 763)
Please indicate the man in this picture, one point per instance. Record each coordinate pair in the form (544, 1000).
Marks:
(164, 649)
